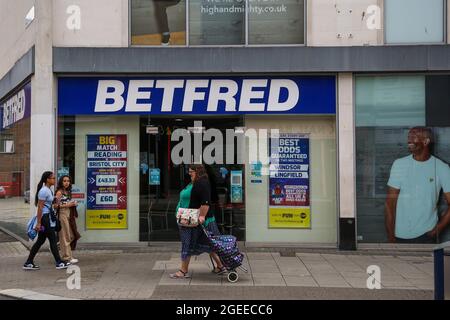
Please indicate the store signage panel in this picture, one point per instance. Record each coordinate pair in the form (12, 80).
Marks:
(234, 95)
(289, 187)
(15, 108)
(106, 182)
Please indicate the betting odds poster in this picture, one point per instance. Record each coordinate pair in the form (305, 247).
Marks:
(289, 200)
(106, 182)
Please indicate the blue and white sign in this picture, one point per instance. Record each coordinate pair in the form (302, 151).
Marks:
(195, 95)
(16, 108)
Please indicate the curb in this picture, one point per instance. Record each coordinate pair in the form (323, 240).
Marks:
(17, 237)
(21, 294)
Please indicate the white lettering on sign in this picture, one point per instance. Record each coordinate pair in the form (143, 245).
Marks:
(106, 198)
(229, 96)
(107, 154)
(249, 92)
(169, 87)
(276, 85)
(14, 109)
(107, 164)
(134, 94)
(106, 180)
(256, 95)
(191, 94)
(104, 93)
(289, 175)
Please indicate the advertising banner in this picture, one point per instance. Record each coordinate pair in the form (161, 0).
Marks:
(289, 204)
(106, 182)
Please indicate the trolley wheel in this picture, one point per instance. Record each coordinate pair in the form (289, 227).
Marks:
(233, 276)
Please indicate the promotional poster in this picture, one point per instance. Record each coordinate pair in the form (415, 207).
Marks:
(106, 182)
(289, 204)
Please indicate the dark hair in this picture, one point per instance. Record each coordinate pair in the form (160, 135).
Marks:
(61, 185)
(44, 178)
(199, 170)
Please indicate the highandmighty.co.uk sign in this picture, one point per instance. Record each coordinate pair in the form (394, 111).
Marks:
(199, 95)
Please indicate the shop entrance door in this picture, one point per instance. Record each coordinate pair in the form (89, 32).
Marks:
(161, 180)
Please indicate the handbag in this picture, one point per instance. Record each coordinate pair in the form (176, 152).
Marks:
(188, 217)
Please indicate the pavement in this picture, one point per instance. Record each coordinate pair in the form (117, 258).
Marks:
(15, 214)
(140, 274)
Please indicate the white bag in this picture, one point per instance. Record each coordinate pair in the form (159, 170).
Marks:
(188, 217)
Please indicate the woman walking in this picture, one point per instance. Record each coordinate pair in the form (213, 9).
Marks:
(65, 205)
(46, 223)
(197, 195)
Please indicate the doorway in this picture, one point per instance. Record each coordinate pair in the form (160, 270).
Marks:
(161, 179)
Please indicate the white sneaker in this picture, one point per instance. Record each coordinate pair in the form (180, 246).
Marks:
(62, 265)
(73, 261)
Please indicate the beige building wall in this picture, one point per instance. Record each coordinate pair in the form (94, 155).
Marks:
(342, 23)
(346, 134)
(324, 216)
(16, 38)
(102, 23)
(128, 125)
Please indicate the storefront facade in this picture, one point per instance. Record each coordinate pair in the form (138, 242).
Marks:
(121, 139)
(343, 82)
(15, 151)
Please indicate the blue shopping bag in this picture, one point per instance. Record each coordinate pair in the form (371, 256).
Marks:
(30, 228)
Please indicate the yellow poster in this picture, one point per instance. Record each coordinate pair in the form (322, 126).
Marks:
(106, 219)
(289, 217)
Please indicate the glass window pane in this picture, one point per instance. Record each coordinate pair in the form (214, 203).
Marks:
(390, 101)
(384, 156)
(276, 22)
(217, 22)
(158, 22)
(414, 21)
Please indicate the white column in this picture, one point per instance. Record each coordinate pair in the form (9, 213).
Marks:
(43, 138)
(346, 145)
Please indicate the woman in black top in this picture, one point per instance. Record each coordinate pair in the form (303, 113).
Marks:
(193, 240)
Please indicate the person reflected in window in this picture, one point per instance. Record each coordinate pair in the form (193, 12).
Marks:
(162, 19)
(415, 182)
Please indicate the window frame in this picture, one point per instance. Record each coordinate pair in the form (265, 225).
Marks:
(245, 45)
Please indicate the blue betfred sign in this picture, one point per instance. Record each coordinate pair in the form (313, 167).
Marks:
(197, 96)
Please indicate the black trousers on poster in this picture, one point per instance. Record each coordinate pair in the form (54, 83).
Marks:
(161, 14)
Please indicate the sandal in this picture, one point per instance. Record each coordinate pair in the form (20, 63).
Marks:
(176, 275)
(220, 270)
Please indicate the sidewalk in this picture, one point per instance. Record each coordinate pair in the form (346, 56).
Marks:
(118, 274)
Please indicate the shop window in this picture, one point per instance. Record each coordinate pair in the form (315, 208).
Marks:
(6, 144)
(217, 22)
(387, 108)
(158, 22)
(276, 22)
(414, 21)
